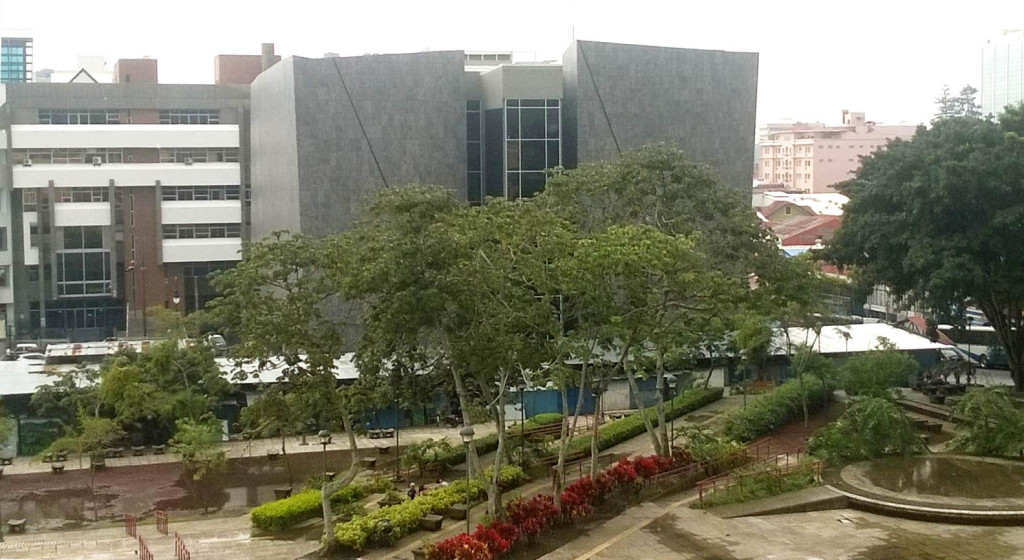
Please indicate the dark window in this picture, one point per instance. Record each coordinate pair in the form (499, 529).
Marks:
(473, 157)
(531, 103)
(472, 126)
(534, 156)
(473, 105)
(532, 183)
(3, 239)
(512, 123)
(532, 123)
(554, 158)
(552, 123)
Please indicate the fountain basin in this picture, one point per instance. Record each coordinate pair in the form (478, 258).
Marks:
(939, 487)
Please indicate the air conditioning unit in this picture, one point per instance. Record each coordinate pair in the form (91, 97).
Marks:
(27, 163)
(97, 160)
(188, 161)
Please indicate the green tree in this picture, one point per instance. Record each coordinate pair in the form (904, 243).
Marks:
(937, 219)
(276, 301)
(877, 372)
(967, 105)
(947, 105)
(992, 424)
(870, 428)
(196, 442)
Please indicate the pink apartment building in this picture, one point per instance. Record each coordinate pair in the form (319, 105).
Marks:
(814, 157)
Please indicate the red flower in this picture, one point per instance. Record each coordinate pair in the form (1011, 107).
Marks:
(459, 547)
(495, 543)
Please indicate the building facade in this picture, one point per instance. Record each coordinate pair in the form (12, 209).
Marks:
(326, 132)
(1002, 72)
(813, 158)
(15, 59)
(115, 198)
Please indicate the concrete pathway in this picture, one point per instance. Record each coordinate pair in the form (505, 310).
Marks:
(260, 448)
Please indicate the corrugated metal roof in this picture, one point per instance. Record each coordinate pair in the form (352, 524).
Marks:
(862, 338)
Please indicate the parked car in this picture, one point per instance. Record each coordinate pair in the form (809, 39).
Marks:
(26, 348)
(995, 358)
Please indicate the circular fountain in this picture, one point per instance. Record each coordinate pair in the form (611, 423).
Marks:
(955, 488)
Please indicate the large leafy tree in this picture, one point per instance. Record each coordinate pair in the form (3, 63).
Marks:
(276, 300)
(939, 219)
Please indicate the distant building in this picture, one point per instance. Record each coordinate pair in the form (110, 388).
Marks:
(89, 69)
(117, 197)
(1002, 72)
(813, 158)
(801, 221)
(325, 132)
(15, 60)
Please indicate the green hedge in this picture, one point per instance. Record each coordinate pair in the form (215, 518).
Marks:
(279, 515)
(405, 517)
(775, 409)
(618, 431)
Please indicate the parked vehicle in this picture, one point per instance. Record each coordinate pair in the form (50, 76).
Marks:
(995, 358)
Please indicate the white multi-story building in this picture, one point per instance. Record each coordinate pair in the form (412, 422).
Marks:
(115, 198)
(1002, 72)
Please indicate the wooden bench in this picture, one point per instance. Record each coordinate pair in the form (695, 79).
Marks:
(16, 525)
(57, 468)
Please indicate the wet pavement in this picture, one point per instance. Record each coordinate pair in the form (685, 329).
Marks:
(953, 476)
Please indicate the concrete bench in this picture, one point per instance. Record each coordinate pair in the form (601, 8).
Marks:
(57, 468)
(431, 522)
(138, 450)
(6, 461)
(159, 449)
(16, 525)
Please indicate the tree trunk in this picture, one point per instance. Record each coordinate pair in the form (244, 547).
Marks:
(329, 488)
(473, 466)
(642, 411)
(494, 509)
(663, 434)
(568, 432)
(598, 416)
(284, 455)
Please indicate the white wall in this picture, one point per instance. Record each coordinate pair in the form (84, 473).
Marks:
(202, 250)
(126, 174)
(81, 214)
(201, 212)
(124, 136)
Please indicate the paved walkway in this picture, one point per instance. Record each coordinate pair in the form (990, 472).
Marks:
(676, 532)
(260, 448)
(206, 539)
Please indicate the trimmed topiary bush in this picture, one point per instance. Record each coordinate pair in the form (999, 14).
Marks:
(279, 515)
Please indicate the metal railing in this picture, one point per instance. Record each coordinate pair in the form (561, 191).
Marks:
(711, 486)
(161, 521)
(181, 551)
(144, 553)
(712, 466)
(131, 525)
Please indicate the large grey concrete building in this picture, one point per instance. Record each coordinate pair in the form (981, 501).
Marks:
(325, 132)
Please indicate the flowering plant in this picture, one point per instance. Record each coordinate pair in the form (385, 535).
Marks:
(459, 547)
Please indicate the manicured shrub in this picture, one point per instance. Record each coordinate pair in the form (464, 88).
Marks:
(760, 485)
(618, 431)
(775, 409)
(363, 531)
(282, 514)
(460, 547)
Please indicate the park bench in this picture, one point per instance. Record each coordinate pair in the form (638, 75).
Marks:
(540, 432)
(6, 461)
(431, 522)
(384, 450)
(282, 493)
(16, 525)
(60, 456)
(138, 450)
(57, 468)
(159, 449)
(369, 463)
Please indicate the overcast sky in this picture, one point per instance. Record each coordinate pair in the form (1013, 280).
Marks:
(886, 58)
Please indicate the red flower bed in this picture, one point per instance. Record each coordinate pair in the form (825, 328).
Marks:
(528, 518)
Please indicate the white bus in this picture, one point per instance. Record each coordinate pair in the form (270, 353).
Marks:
(980, 342)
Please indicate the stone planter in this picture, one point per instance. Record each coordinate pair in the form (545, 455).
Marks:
(431, 522)
(369, 463)
(457, 511)
(386, 501)
(419, 554)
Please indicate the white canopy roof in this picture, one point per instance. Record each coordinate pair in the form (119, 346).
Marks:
(861, 338)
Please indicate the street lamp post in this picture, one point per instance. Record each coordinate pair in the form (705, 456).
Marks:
(325, 439)
(522, 423)
(600, 385)
(970, 323)
(671, 381)
(467, 434)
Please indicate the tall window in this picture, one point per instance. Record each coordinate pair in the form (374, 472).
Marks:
(532, 144)
(211, 192)
(83, 265)
(474, 154)
(83, 194)
(3, 239)
(198, 155)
